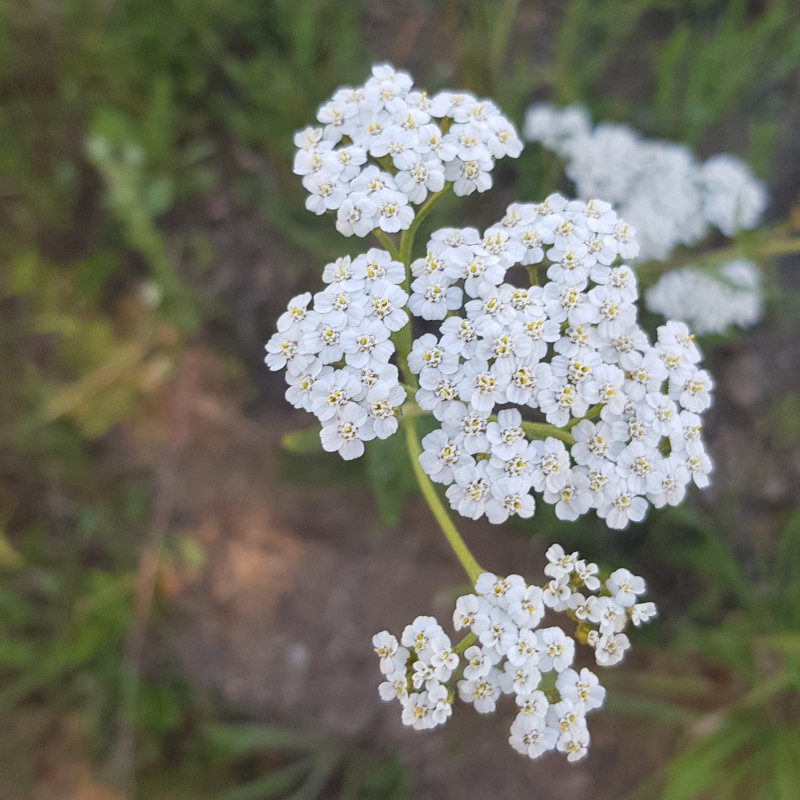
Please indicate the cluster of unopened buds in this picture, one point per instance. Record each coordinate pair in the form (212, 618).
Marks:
(538, 379)
(505, 652)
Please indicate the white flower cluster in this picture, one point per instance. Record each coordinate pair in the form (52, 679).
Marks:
(512, 655)
(627, 412)
(384, 146)
(658, 186)
(337, 352)
(710, 301)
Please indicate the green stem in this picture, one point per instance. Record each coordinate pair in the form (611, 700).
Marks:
(766, 247)
(780, 247)
(541, 430)
(471, 566)
(410, 408)
(387, 243)
(533, 274)
(499, 35)
(592, 412)
(402, 339)
(407, 242)
(465, 643)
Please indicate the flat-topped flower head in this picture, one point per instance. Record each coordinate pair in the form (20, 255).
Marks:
(511, 655)
(386, 124)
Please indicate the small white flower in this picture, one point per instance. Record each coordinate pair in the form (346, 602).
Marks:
(583, 689)
(530, 736)
(347, 432)
(611, 649)
(624, 586)
(556, 650)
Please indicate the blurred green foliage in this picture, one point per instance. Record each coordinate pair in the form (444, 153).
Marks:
(119, 120)
(743, 634)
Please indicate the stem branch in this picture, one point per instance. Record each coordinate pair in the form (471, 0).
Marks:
(387, 243)
(471, 566)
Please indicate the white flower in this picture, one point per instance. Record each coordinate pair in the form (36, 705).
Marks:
(295, 313)
(573, 498)
(509, 498)
(385, 646)
(467, 608)
(587, 575)
(386, 304)
(642, 612)
(556, 650)
(611, 649)
(500, 591)
(471, 490)
(533, 703)
(357, 215)
(574, 743)
(496, 631)
(520, 678)
(583, 689)
(394, 213)
(530, 737)
(608, 615)
(523, 651)
(347, 432)
(559, 562)
(395, 687)
(557, 593)
(283, 352)
(527, 609)
(552, 466)
(621, 508)
(443, 659)
(483, 693)
(440, 456)
(733, 199)
(419, 633)
(478, 664)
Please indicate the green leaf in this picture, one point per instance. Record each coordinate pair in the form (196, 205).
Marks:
(237, 740)
(786, 773)
(10, 557)
(278, 783)
(390, 477)
(664, 712)
(785, 578)
(703, 762)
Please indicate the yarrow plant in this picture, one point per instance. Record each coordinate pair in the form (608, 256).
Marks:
(540, 380)
(661, 188)
(711, 301)
(673, 200)
(506, 652)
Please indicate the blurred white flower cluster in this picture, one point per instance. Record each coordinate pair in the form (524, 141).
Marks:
(622, 415)
(658, 186)
(384, 146)
(507, 653)
(710, 301)
(671, 199)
